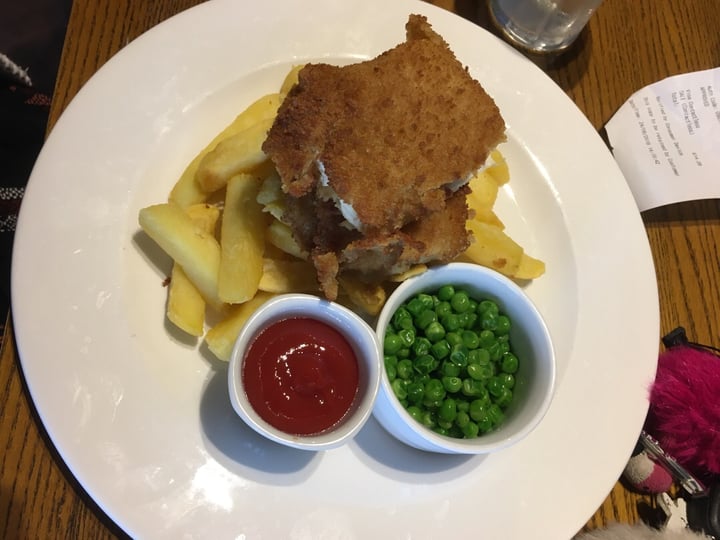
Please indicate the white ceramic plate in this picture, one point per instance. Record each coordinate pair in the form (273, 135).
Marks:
(142, 417)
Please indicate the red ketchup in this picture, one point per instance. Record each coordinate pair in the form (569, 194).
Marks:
(300, 375)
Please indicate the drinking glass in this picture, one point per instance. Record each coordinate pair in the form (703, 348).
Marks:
(542, 26)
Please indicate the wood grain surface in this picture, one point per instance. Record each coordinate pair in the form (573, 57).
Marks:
(627, 45)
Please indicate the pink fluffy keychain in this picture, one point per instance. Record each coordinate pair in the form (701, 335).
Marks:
(683, 419)
(684, 414)
(680, 442)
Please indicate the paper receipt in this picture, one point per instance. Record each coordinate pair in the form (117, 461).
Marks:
(666, 139)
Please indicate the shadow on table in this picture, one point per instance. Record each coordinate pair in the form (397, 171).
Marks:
(687, 213)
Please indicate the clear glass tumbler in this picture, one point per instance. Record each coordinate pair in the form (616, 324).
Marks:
(543, 26)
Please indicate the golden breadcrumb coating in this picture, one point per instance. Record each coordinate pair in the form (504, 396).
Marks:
(393, 135)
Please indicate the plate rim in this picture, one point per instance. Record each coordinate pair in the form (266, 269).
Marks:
(23, 320)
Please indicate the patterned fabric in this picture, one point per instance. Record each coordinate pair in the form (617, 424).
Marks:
(31, 39)
(9, 206)
(24, 114)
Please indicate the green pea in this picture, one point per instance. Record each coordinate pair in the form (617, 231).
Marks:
(427, 300)
(435, 332)
(446, 292)
(399, 389)
(495, 413)
(489, 320)
(507, 380)
(486, 306)
(470, 430)
(406, 323)
(479, 356)
(453, 338)
(461, 419)
(415, 306)
(424, 318)
(487, 338)
(447, 410)
(460, 302)
(463, 405)
(451, 322)
(392, 343)
(509, 363)
(503, 325)
(505, 398)
(480, 393)
(400, 314)
(428, 419)
(421, 346)
(478, 409)
(485, 424)
(407, 336)
(470, 339)
(452, 384)
(480, 372)
(495, 386)
(473, 388)
(403, 353)
(434, 391)
(450, 369)
(415, 392)
(440, 349)
(415, 412)
(405, 368)
(496, 351)
(459, 355)
(467, 320)
(424, 364)
(391, 369)
(442, 309)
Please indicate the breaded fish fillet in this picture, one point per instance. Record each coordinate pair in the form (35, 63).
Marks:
(366, 149)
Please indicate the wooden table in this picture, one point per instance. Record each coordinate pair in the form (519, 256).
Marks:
(626, 46)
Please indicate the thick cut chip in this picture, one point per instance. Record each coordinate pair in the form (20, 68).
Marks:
(499, 169)
(281, 236)
(483, 191)
(204, 215)
(407, 274)
(482, 197)
(493, 248)
(286, 276)
(239, 153)
(369, 297)
(197, 251)
(242, 240)
(530, 268)
(186, 190)
(221, 338)
(290, 80)
(186, 306)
